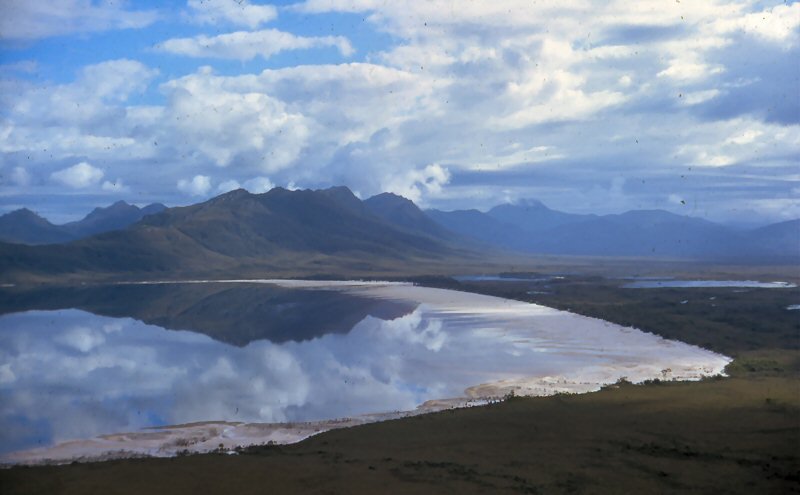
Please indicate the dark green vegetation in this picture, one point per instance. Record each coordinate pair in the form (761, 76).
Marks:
(724, 435)
(26, 227)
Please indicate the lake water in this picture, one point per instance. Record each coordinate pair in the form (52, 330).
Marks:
(671, 283)
(502, 278)
(76, 363)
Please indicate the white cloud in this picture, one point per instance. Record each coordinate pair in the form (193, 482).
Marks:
(225, 124)
(744, 140)
(82, 338)
(415, 184)
(238, 12)
(78, 176)
(697, 97)
(86, 112)
(20, 176)
(200, 185)
(683, 70)
(244, 45)
(227, 186)
(746, 137)
(552, 92)
(778, 24)
(31, 20)
(258, 185)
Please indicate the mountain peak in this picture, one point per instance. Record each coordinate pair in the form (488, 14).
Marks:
(22, 213)
(527, 204)
(232, 195)
(27, 227)
(533, 203)
(390, 196)
(153, 208)
(342, 195)
(403, 213)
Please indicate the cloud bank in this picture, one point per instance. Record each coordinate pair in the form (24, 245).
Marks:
(455, 107)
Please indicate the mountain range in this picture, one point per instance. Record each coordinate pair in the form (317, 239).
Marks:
(26, 227)
(532, 227)
(279, 231)
(332, 231)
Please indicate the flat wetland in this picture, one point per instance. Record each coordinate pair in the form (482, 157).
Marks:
(739, 434)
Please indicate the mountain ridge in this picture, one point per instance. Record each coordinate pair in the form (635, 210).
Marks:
(272, 231)
(531, 227)
(23, 226)
(333, 231)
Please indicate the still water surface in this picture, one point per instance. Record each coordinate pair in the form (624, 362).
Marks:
(80, 362)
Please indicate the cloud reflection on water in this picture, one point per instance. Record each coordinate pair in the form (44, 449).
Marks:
(70, 374)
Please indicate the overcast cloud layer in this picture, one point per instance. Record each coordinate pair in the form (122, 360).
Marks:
(590, 107)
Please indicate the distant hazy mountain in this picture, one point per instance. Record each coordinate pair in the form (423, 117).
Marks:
(534, 228)
(279, 229)
(117, 216)
(481, 227)
(404, 214)
(331, 231)
(777, 239)
(25, 227)
(534, 216)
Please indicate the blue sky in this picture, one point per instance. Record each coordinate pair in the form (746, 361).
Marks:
(692, 107)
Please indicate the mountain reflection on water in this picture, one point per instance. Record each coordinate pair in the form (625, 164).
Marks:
(235, 314)
(81, 362)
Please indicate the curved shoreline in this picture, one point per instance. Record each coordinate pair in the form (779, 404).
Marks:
(555, 331)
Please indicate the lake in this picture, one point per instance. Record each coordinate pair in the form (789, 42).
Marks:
(672, 283)
(243, 362)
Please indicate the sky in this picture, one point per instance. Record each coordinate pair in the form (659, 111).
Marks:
(588, 106)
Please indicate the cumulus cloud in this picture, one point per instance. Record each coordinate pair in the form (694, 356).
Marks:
(26, 20)
(87, 117)
(778, 24)
(246, 45)
(416, 184)
(258, 185)
(229, 123)
(508, 98)
(78, 176)
(240, 13)
(227, 186)
(199, 185)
